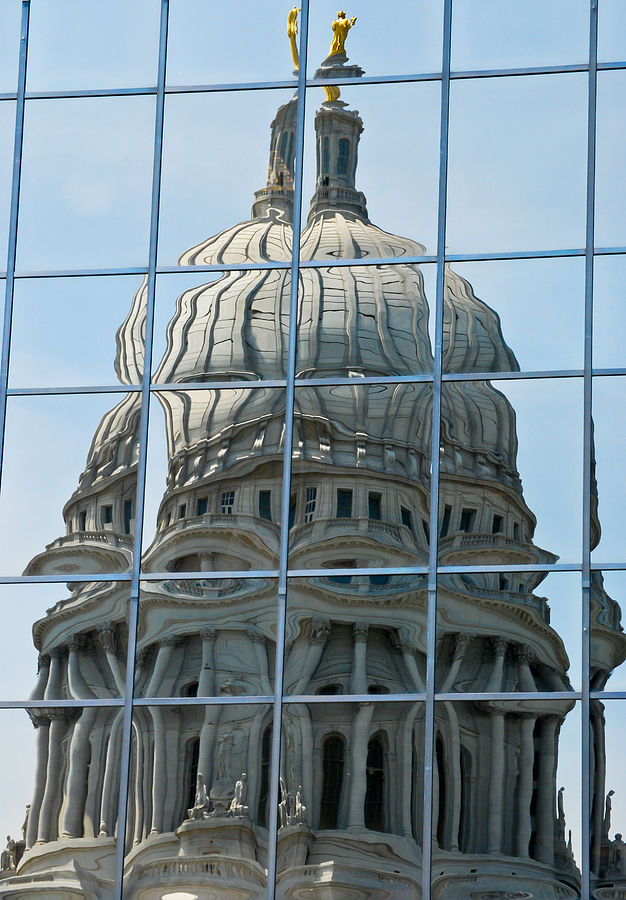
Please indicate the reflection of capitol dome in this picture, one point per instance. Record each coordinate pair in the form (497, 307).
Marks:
(351, 792)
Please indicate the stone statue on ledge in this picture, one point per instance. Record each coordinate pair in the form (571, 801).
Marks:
(8, 858)
(238, 803)
(200, 808)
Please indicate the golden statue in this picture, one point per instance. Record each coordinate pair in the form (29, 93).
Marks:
(292, 31)
(341, 27)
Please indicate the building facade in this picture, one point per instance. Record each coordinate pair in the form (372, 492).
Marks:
(279, 692)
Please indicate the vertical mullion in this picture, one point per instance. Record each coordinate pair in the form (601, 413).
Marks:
(431, 635)
(273, 798)
(13, 221)
(588, 457)
(133, 610)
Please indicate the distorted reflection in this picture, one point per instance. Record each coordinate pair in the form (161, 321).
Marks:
(350, 813)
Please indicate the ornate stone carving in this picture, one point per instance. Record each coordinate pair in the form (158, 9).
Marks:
(254, 635)
(208, 633)
(359, 632)
(107, 634)
(499, 646)
(320, 631)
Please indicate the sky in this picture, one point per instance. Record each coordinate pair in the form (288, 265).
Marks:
(517, 169)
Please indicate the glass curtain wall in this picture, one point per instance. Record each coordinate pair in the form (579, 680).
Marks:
(314, 587)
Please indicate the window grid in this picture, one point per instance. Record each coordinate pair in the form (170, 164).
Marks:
(437, 377)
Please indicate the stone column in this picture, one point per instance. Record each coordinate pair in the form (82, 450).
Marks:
(58, 726)
(358, 677)
(318, 639)
(41, 722)
(159, 772)
(42, 725)
(500, 647)
(107, 633)
(496, 770)
(79, 753)
(496, 784)
(546, 790)
(462, 642)
(360, 729)
(525, 680)
(401, 642)
(598, 762)
(260, 652)
(206, 688)
(525, 784)
(454, 753)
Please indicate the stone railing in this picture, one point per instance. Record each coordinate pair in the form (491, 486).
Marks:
(125, 541)
(217, 868)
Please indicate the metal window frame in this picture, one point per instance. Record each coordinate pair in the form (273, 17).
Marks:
(430, 571)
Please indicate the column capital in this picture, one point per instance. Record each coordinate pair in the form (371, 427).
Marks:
(143, 656)
(359, 632)
(58, 652)
(523, 654)
(500, 646)
(38, 717)
(255, 635)
(320, 631)
(400, 640)
(43, 661)
(107, 634)
(461, 642)
(208, 633)
(76, 642)
(172, 641)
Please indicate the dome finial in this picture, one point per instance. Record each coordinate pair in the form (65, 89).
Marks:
(341, 26)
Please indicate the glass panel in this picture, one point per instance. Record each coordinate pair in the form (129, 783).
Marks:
(608, 810)
(609, 337)
(383, 431)
(86, 44)
(508, 631)
(46, 619)
(352, 775)
(489, 34)
(86, 183)
(517, 163)
(215, 165)
(10, 27)
(214, 44)
(609, 485)
(221, 449)
(206, 637)
(78, 321)
(522, 293)
(611, 31)
(231, 326)
(365, 321)
(507, 799)
(66, 775)
(608, 642)
(344, 639)
(496, 439)
(44, 517)
(7, 139)
(404, 207)
(610, 224)
(406, 41)
(199, 780)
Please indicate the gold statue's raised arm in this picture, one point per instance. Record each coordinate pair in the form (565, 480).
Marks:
(292, 31)
(341, 27)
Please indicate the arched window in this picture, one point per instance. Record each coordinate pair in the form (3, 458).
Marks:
(190, 690)
(193, 754)
(333, 754)
(342, 157)
(326, 157)
(283, 147)
(266, 752)
(441, 773)
(374, 794)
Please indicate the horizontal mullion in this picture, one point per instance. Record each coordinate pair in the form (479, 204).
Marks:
(310, 382)
(310, 83)
(248, 699)
(530, 567)
(61, 579)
